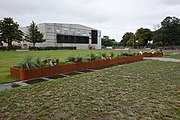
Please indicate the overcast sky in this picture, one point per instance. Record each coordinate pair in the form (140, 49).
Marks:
(112, 17)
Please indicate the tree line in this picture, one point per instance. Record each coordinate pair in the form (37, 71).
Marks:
(166, 34)
(9, 31)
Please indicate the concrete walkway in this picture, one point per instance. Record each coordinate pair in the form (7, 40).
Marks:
(162, 59)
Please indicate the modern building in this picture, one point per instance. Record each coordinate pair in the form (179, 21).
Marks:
(68, 35)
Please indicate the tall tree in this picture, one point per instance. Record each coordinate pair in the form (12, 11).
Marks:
(9, 31)
(127, 37)
(171, 30)
(34, 35)
(143, 35)
(106, 41)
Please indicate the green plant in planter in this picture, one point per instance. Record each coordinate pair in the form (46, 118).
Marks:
(71, 58)
(112, 55)
(104, 55)
(127, 54)
(78, 59)
(75, 59)
(124, 54)
(117, 56)
(40, 62)
(98, 57)
(27, 63)
(132, 54)
(91, 57)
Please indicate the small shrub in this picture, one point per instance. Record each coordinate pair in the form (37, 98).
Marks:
(78, 58)
(40, 62)
(91, 57)
(112, 55)
(127, 54)
(75, 59)
(71, 58)
(104, 55)
(117, 56)
(27, 63)
(98, 57)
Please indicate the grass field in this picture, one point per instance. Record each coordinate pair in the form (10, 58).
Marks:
(142, 90)
(11, 58)
(176, 56)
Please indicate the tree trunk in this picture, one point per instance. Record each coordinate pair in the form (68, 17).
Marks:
(34, 45)
(9, 44)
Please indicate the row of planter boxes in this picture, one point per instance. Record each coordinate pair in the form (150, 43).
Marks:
(64, 68)
(153, 55)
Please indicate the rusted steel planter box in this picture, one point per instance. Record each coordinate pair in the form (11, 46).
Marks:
(153, 55)
(52, 70)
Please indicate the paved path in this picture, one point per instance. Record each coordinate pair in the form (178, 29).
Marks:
(161, 59)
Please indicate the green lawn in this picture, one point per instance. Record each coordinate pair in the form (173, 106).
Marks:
(146, 90)
(177, 56)
(11, 58)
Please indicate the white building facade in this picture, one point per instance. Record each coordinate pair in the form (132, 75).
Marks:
(68, 35)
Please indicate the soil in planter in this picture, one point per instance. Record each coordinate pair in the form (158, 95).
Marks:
(55, 76)
(34, 81)
(72, 73)
(15, 85)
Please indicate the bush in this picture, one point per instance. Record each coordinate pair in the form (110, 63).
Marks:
(127, 54)
(117, 56)
(75, 59)
(27, 63)
(40, 62)
(91, 57)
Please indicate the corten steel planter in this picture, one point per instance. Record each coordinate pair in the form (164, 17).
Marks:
(153, 55)
(53, 70)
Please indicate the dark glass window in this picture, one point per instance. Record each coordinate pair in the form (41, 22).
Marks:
(94, 36)
(72, 39)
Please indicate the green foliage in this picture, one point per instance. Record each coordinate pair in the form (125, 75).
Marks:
(34, 35)
(98, 57)
(117, 56)
(106, 41)
(128, 54)
(91, 57)
(27, 63)
(71, 58)
(40, 62)
(104, 55)
(143, 35)
(169, 33)
(9, 31)
(127, 39)
(75, 58)
(112, 54)
(78, 58)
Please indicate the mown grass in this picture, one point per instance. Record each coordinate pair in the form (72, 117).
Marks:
(142, 90)
(11, 58)
(176, 56)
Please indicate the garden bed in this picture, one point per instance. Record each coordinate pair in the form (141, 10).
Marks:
(24, 74)
(153, 55)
